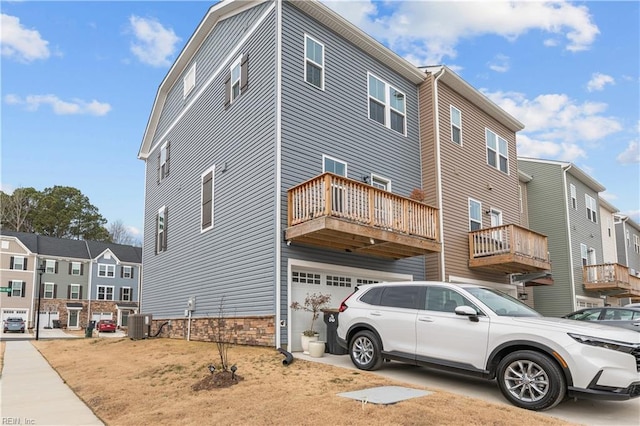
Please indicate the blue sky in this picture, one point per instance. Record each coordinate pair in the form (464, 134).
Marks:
(78, 81)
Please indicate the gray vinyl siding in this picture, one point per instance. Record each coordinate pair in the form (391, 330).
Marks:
(621, 242)
(63, 279)
(547, 214)
(235, 259)
(335, 122)
(466, 174)
(627, 255)
(223, 38)
(117, 282)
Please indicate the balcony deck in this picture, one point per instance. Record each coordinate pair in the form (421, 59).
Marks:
(334, 212)
(611, 277)
(510, 249)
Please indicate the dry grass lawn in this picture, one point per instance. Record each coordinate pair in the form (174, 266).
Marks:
(149, 382)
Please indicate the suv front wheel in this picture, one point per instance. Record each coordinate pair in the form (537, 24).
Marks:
(364, 350)
(531, 380)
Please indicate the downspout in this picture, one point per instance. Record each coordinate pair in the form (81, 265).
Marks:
(278, 182)
(566, 212)
(89, 284)
(624, 241)
(439, 172)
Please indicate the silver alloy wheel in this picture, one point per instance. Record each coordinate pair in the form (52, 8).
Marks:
(363, 350)
(526, 380)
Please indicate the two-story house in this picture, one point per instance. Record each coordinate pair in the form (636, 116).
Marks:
(563, 204)
(628, 249)
(115, 281)
(17, 266)
(280, 154)
(469, 170)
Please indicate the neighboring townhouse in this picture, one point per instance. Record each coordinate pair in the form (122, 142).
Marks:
(115, 281)
(563, 203)
(628, 249)
(65, 282)
(608, 231)
(76, 285)
(280, 154)
(470, 171)
(17, 266)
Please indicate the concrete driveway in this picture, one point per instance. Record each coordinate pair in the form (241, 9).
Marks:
(585, 412)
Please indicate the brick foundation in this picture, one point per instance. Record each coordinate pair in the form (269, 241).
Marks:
(252, 331)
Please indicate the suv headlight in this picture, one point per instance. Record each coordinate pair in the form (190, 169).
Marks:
(605, 343)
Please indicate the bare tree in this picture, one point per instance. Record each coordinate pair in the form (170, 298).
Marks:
(119, 233)
(16, 210)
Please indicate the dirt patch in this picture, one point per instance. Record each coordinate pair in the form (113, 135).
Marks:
(219, 379)
(154, 382)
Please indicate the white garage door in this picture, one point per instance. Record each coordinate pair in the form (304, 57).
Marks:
(14, 312)
(97, 316)
(47, 317)
(337, 281)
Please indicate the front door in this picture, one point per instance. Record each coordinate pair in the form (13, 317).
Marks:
(72, 321)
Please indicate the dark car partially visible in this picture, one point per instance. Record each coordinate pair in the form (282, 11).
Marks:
(12, 324)
(618, 317)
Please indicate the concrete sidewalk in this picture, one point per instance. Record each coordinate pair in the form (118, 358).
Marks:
(33, 393)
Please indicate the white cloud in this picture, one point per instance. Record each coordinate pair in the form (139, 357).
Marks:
(59, 107)
(538, 148)
(430, 31)
(500, 63)
(631, 155)
(610, 197)
(20, 43)
(154, 44)
(598, 81)
(7, 188)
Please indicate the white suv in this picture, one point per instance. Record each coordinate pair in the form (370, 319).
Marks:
(479, 331)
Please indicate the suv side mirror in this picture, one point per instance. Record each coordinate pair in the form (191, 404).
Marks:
(467, 311)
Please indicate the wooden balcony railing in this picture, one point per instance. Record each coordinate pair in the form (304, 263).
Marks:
(360, 205)
(509, 248)
(611, 276)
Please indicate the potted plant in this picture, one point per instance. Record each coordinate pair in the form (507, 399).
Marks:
(313, 303)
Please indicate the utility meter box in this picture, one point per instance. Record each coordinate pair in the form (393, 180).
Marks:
(191, 304)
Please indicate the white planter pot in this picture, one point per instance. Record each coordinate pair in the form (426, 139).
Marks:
(305, 342)
(316, 348)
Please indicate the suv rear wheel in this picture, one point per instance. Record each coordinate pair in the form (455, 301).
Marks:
(531, 380)
(364, 350)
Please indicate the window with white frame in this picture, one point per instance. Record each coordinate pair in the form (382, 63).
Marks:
(380, 182)
(591, 208)
(386, 104)
(584, 254)
(51, 266)
(164, 158)
(161, 230)
(76, 268)
(236, 82)
(334, 166)
(475, 215)
(127, 272)
(609, 226)
(125, 294)
(74, 291)
(49, 290)
(497, 152)
(189, 81)
(19, 263)
(456, 125)
(574, 198)
(105, 292)
(206, 199)
(636, 244)
(235, 79)
(313, 62)
(18, 288)
(108, 271)
(628, 238)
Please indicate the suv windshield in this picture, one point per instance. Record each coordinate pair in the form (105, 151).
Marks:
(502, 304)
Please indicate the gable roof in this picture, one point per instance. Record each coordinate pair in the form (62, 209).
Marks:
(30, 241)
(123, 253)
(313, 8)
(572, 169)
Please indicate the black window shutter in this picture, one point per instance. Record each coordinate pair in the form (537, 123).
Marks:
(120, 298)
(24, 265)
(121, 271)
(244, 73)
(55, 291)
(166, 229)
(130, 294)
(132, 268)
(69, 291)
(56, 269)
(11, 263)
(158, 177)
(81, 268)
(167, 159)
(10, 286)
(24, 289)
(80, 293)
(227, 91)
(70, 267)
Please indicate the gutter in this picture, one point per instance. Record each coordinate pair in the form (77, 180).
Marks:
(439, 172)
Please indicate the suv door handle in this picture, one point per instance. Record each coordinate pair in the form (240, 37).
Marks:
(425, 319)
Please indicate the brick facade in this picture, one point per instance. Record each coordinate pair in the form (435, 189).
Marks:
(60, 306)
(253, 331)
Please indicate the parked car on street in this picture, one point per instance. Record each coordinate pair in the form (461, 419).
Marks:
(106, 325)
(617, 317)
(482, 332)
(14, 324)
(632, 305)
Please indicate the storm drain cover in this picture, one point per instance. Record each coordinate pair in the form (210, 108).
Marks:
(384, 394)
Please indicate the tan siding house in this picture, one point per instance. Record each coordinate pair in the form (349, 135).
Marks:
(17, 265)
